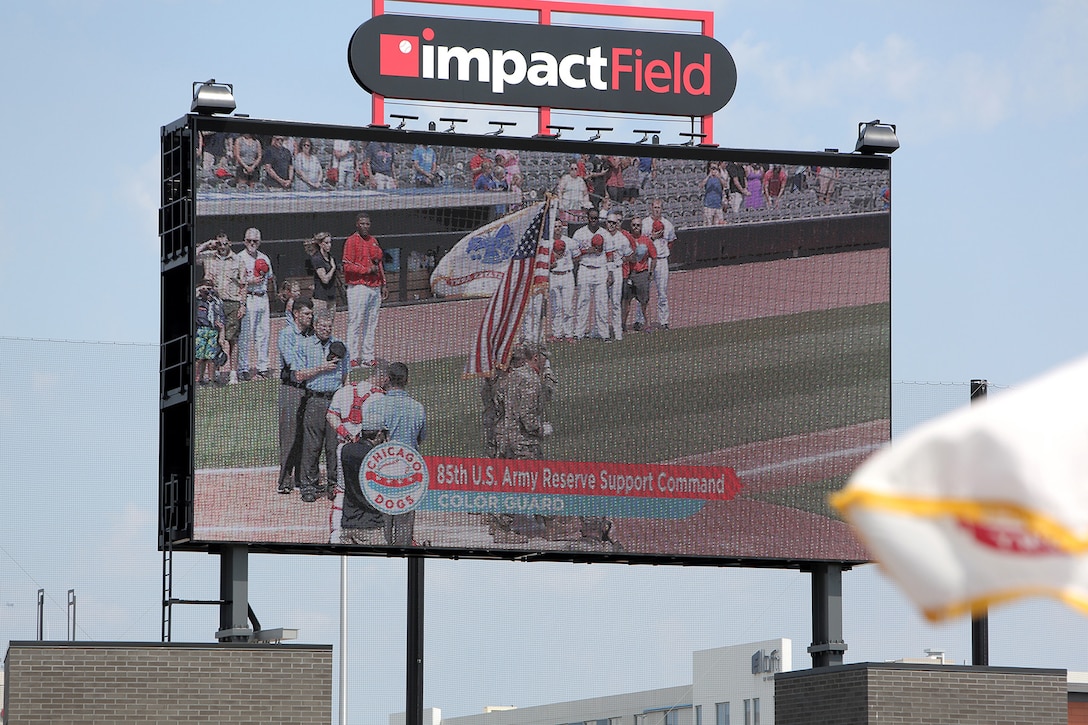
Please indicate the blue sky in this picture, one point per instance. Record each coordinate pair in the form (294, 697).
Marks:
(987, 225)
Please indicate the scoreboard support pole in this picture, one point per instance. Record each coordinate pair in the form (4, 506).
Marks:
(234, 594)
(413, 690)
(827, 643)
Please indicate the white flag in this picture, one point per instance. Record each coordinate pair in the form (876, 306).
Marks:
(984, 505)
(476, 264)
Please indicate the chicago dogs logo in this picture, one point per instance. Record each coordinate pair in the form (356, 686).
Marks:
(394, 478)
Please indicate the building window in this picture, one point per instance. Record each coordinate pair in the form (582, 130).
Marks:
(721, 713)
(672, 717)
(747, 712)
(698, 715)
(755, 711)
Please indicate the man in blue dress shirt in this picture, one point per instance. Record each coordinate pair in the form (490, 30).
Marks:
(321, 364)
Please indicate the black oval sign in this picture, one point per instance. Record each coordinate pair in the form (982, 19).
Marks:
(515, 64)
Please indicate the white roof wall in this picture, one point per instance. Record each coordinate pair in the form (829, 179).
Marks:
(722, 674)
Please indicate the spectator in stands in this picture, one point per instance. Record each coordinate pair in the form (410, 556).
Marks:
(485, 181)
(774, 185)
(515, 188)
(631, 179)
(279, 172)
(573, 196)
(798, 180)
(754, 199)
(378, 167)
(596, 174)
(738, 185)
(712, 195)
(476, 164)
(425, 166)
(498, 183)
(212, 148)
(647, 170)
(247, 159)
(826, 178)
(510, 162)
(614, 183)
(345, 159)
(308, 173)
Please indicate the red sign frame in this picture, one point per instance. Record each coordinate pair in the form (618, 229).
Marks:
(544, 10)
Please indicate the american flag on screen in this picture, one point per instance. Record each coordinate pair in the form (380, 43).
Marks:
(526, 273)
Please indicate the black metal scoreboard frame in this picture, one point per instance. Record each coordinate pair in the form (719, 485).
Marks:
(775, 491)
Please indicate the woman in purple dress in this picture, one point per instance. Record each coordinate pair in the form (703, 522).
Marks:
(754, 200)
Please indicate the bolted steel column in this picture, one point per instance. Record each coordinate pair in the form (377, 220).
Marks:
(827, 643)
(234, 595)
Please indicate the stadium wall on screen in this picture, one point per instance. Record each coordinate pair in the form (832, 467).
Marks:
(709, 434)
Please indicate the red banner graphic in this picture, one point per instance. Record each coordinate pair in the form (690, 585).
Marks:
(580, 478)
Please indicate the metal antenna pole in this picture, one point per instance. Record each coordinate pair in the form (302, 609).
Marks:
(71, 615)
(980, 624)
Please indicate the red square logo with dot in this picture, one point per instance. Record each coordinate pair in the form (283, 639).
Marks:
(398, 55)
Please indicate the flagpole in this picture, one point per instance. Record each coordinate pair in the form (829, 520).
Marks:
(980, 623)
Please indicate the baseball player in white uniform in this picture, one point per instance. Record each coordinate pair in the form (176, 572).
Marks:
(616, 248)
(256, 322)
(561, 284)
(592, 280)
(351, 411)
(662, 233)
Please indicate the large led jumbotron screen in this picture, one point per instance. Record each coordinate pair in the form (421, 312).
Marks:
(495, 347)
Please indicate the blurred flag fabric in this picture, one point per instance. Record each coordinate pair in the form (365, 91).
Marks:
(527, 269)
(986, 504)
(476, 264)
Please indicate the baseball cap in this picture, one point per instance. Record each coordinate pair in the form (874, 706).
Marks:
(260, 267)
(659, 226)
(597, 240)
(641, 251)
(559, 246)
(337, 349)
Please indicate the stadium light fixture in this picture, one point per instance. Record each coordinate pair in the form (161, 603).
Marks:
(501, 127)
(875, 137)
(597, 132)
(557, 129)
(646, 134)
(210, 98)
(403, 120)
(453, 123)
